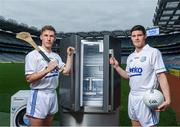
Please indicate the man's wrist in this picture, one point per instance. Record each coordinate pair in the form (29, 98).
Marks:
(116, 66)
(47, 69)
(69, 55)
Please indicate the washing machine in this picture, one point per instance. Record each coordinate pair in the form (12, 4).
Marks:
(18, 109)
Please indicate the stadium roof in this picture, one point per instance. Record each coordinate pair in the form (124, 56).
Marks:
(96, 34)
(167, 16)
(15, 27)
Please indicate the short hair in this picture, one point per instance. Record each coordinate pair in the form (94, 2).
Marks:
(48, 27)
(138, 27)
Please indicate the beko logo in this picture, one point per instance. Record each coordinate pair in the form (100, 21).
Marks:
(135, 71)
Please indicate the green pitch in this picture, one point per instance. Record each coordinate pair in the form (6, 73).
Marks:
(12, 79)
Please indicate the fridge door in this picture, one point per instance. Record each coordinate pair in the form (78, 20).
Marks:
(114, 46)
(94, 83)
(69, 85)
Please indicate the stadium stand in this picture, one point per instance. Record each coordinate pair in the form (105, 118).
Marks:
(11, 57)
(167, 16)
(14, 27)
(14, 50)
(168, 44)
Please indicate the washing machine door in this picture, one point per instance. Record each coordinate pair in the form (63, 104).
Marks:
(20, 118)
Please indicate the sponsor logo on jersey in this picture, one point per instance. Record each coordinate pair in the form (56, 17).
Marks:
(135, 71)
(53, 73)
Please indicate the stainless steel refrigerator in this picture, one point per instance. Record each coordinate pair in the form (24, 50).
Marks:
(90, 95)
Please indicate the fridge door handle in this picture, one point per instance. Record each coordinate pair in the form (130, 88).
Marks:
(72, 81)
(111, 54)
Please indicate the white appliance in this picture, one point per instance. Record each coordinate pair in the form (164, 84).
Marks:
(18, 109)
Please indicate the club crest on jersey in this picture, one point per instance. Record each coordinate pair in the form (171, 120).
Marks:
(143, 59)
(135, 71)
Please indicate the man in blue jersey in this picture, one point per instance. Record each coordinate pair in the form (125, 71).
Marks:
(145, 68)
(43, 78)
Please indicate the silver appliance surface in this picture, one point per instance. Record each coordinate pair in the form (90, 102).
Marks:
(90, 119)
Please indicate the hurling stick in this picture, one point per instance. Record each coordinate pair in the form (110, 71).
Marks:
(25, 36)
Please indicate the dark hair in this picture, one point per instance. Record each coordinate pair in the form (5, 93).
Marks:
(138, 27)
(48, 27)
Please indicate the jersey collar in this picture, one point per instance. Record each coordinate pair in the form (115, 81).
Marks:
(42, 49)
(144, 48)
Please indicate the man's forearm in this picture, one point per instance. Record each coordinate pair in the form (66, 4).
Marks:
(68, 65)
(37, 75)
(164, 86)
(122, 72)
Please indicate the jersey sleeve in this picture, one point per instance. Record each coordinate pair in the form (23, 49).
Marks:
(127, 66)
(157, 62)
(30, 64)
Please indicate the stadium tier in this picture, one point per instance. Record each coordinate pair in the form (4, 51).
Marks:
(10, 47)
(11, 57)
(167, 44)
(14, 50)
(167, 16)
